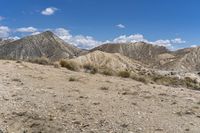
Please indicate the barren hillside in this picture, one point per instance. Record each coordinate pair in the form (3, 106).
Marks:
(36, 98)
(186, 60)
(114, 61)
(141, 51)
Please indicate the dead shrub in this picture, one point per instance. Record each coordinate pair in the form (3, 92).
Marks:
(71, 65)
(168, 81)
(124, 74)
(56, 65)
(41, 61)
(107, 72)
(176, 82)
(90, 68)
(104, 88)
(72, 79)
(19, 61)
(140, 78)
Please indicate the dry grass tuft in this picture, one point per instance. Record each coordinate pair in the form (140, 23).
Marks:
(142, 79)
(72, 79)
(41, 61)
(176, 82)
(71, 65)
(107, 72)
(104, 88)
(124, 74)
(56, 65)
(90, 68)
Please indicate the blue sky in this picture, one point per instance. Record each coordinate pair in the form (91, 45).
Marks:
(88, 23)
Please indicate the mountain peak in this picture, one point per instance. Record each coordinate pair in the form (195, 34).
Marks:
(44, 44)
(48, 33)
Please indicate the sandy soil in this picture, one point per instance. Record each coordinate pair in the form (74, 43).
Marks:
(41, 99)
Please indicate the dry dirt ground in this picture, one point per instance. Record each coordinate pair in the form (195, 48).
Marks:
(41, 99)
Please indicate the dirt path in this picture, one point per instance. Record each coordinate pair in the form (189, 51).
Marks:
(36, 98)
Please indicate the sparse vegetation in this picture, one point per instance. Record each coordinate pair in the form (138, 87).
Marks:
(56, 65)
(124, 74)
(175, 81)
(140, 78)
(166, 80)
(41, 61)
(71, 79)
(90, 68)
(104, 88)
(107, 72)
(18, 61)
(71, 65)
(191, 83)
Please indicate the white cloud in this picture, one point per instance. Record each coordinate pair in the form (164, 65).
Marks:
(49, 11)
(129, 39)
(165, 43)
(81, 41)
(1, 18)
(121, 26)
(140, 38)
(193, 46)
(63, 34)
(85, 41)
(89, 42)
(14, 38)
(4, 31)
(27, 29)
(178, 41)
(36, 33)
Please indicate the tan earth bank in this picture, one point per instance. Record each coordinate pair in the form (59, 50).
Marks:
(42, 99)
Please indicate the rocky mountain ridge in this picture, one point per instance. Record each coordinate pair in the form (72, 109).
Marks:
(45, 44)
(49, 45)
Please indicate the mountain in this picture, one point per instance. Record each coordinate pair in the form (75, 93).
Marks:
(45, 44)
(141, 51)
(115, 61)
(5, 41)
(186, 60)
